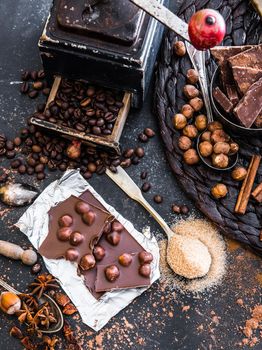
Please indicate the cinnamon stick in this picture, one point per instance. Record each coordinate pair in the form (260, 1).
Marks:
(257, 193)
(247, 185)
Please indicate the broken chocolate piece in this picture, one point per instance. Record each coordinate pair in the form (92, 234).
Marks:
(232, 94)
(249, 58)
(250, 106)
(222, 100)
(129, 276)
(245, 77)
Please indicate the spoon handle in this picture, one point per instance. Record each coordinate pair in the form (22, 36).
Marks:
(8, 287)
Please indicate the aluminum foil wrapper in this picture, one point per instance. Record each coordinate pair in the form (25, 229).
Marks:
(34, 224)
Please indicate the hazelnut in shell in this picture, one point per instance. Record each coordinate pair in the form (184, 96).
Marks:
(196, 103)
(191, 157)
(234, 148)
(219, 135)
(184, 143)
(190, 91)
(187, 111)
(214, 126)
(179, 48)
(10, 303)
(219, 160)
(192, 76)
(179, 121)
(205, 149)
(206, 136)
(201, 122)
(190, 131)
(221, 147)
(219, 191)
(239, 173)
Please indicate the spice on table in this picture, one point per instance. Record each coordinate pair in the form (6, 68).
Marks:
(219, 191)
(257, 193)
(239, 173)
(158, 199)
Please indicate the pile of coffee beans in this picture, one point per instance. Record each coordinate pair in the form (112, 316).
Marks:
(33, 83)
(84, 108)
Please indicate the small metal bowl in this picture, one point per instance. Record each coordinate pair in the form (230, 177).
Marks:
(233, 159)
(225, 119)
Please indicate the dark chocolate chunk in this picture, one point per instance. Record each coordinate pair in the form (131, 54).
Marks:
(232, 94)
(249, 58)
(245, 77)
(222, 100)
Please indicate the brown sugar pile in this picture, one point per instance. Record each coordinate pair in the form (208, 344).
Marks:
(210, 237)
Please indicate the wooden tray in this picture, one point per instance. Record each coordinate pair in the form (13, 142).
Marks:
(244, 26)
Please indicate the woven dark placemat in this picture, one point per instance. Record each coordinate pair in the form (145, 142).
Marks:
(244, 26)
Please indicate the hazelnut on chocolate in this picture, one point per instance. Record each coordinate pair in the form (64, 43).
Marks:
(221, 147)
(201, 122)
(184, 143)
(206, 136)
(145, 270)
(82, 207)
(116, 226)
(192, 76)
(234, 148)
(219, 191)
(190, 91)
(239, 173)
(219, 135)
(191, 157)
(125, 259)
(89, 217)
(87, 262)
(99, 252)
(196, 103)
(179, 48)
(220, 160)
(113, 237)
(63, 234)
(145, 257)
(205, 148)
(190, 131)
(112, 273)
(76, 238)
(214, 126)
(179, 121)
(187, 111)
(71, 254)
(65, 221)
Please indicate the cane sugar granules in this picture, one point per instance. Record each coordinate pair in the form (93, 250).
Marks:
(209, 236)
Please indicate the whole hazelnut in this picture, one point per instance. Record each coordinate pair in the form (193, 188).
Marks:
(10, 303)
(113, 237)
(125, 259)
(187, 111)
(214, 126)
(65, 221)
(145, 270)
(234, 148)
(191, 157)
(184, 143)
(71, 254)
(112, 273)
(76, 238)
(145, 257)
(179, 48)
(220, 160)
(206, 136)
(219, 191)
(205, 148)
(190, 131)
(221, 147)
(201, 122)
(179, 121)
(63, 234)
(239, 173)
(99, 252)
(116, 226)
(196, 103)
(219, 135)
(190, 91)
(192, 76)
(82, 207)
(89, 217)
(87, 262)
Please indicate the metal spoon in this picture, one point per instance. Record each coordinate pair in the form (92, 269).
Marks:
(45, 298)
(122, 179)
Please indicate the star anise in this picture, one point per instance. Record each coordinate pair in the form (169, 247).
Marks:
(44, 317)
(69, 334)
(25, 315)
(42, 283)
(50, 343)
(30, 301)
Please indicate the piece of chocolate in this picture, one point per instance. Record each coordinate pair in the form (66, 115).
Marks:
(249, 58)
(232, 94)
(53, 248)
(250, 106)
(222, 100)
(245, 77)
(129, 276)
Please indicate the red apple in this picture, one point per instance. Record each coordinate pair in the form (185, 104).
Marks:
(206, 29)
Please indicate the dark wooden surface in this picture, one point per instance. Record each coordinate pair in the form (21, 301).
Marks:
(155, 320)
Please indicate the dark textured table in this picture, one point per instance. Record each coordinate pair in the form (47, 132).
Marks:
(157, 319)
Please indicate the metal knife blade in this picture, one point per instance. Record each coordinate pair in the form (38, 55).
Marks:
(165, 16)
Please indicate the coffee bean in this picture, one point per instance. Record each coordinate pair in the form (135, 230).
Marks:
(2, 151)
(116, 162)
(135, 160)
(24, 87)
(15, 163)
(96, 130)
(39, 168)
(101, 169)
(31, 162)
(91, 167)
(41, 74)
(146, 186)
(17, 141)
(33, 94)
(37, 85)
(139, 151)
(126, 163)
(158, 199)
(3, 175)
(87, 175)
(9, 145)
(25, 75)
(40, 107)
(33, 75)
(30, 170)
(142, 137)
(149, 132)
(36, 268)
(10, 154)
(24, 133)
(129, 153)
(143, 175)
(85, 102)
(184, 209)
(22, 169)
(43, 160)
(176, 209)
(36, 149)
(62, 166)
(46, 91)
(40, 176)
(113, 169)
(80, 127)
(29, 141)
(90, 91)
